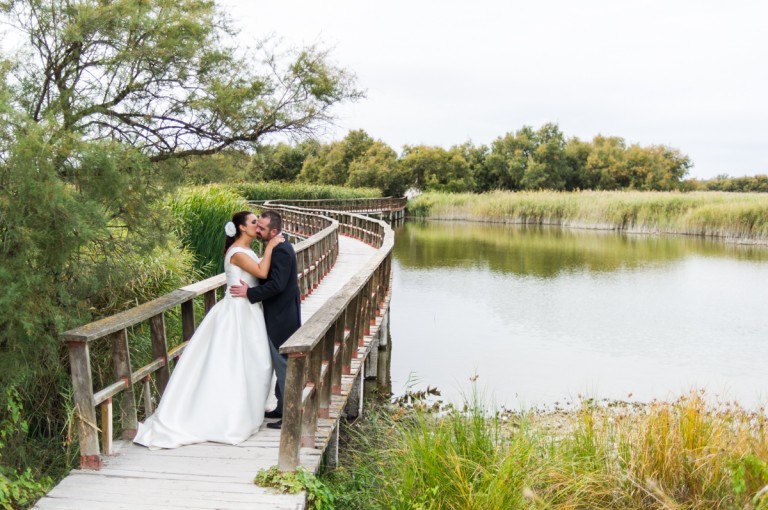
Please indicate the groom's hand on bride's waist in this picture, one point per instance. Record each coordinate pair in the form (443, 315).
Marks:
(239, 290)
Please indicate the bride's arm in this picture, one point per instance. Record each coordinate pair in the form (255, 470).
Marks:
(257, 269)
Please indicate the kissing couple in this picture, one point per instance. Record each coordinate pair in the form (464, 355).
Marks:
(219, 388)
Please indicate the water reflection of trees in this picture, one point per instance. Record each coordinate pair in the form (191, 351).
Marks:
(548, 251)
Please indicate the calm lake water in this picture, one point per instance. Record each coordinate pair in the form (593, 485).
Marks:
(542, 315)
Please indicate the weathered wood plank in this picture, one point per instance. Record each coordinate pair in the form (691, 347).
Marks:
(122, 320)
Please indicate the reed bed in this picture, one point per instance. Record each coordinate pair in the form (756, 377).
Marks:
(737, 217)
(200, 213)
(275, 190)
(689, 454)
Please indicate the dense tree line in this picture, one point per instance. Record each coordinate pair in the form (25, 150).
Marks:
(528, 159)
(746, 184)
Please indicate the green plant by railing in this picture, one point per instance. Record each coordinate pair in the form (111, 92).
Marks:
(319, 496)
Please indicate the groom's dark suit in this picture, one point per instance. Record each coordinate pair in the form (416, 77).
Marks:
(279, 294)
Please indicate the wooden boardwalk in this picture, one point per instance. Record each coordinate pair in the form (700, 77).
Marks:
(209, 475)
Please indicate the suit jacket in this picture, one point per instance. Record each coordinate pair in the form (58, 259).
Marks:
(279, 294)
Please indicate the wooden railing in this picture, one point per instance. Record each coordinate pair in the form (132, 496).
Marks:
(315, 257)
(357, 205)
(322, 350)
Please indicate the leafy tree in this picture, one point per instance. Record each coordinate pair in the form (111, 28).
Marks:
(476, 159)
(606, 166)
(226, 166)
(576, 155)
(331, 163)
(156, 74)
(437, 169)
(509, 158)
(281, 162)
(328, 166)
(547, 166)
(378, 168)
(356, 144)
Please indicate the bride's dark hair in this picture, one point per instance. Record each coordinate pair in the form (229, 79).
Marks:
(238, 219)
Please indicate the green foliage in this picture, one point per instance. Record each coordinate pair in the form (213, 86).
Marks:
(200, 213)
(281, 162)
(17, 489)
(225, 166)
(750, 476)
(378, 168)
(753, 184)
(331, 163)
(434, 168)
(319, 497)
(261, 191)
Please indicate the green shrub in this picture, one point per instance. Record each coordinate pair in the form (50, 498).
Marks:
(17, 489)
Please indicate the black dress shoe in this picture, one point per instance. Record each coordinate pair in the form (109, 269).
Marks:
(273, 414)
(275, 424)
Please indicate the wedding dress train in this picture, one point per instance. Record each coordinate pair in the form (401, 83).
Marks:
(221, 383)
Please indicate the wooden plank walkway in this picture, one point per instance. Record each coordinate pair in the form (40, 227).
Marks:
(209, 475)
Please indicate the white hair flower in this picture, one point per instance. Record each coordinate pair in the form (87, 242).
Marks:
(229, 229)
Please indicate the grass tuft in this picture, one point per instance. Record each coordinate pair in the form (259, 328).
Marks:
(689, 454)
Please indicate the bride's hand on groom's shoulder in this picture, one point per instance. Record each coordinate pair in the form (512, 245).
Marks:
(276, 240)
(239, 290)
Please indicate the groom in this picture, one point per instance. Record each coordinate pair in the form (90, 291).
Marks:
(279, 294)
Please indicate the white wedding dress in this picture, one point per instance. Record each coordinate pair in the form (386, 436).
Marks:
(221, 383)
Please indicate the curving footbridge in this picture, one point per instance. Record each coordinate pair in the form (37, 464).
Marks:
(344, 255)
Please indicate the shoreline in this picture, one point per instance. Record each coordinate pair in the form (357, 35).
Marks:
(603, 227)
(727, 217)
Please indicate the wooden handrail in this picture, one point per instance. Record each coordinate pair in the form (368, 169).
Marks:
(357, 205)
(325, 345)
(315, 255)
(321, 351)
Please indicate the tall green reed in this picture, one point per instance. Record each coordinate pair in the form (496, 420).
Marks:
(200, 214)
(741, 216)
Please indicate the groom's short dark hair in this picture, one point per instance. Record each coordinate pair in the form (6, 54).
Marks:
(275, 220)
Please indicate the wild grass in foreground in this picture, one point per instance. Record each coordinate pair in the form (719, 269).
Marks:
(736, 216)
(687, 454)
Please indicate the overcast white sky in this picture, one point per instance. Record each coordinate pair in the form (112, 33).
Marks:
(691, 74)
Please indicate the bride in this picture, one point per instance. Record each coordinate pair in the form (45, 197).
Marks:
(220, 385)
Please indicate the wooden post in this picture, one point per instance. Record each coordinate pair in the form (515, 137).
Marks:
(160, 350)
(371, 361)
(324, 384)
(367, 310)
(187, 319)
(85, 414)
(290, 434)
(309, 417)
(209, 300)
(338, 361)
(106, 426)
(121, 358)
(147, 390)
